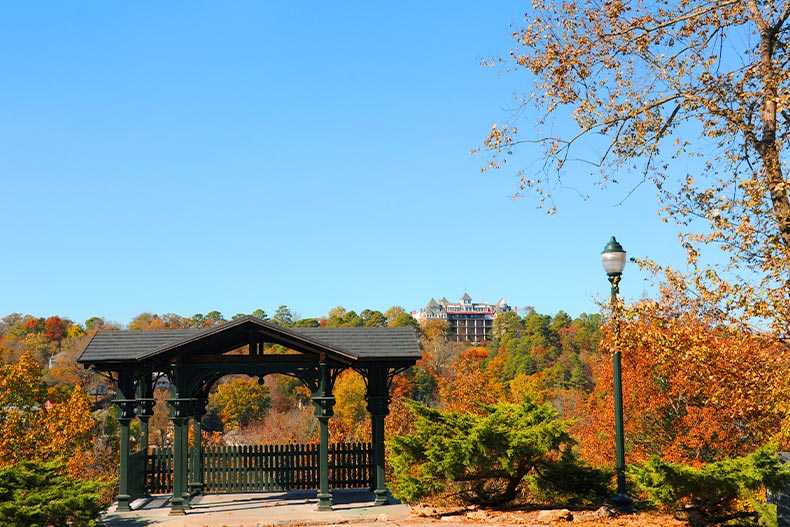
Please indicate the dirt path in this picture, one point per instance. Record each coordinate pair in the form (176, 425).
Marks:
(525, 518)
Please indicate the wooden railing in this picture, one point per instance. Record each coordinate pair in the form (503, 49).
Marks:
(250, 468)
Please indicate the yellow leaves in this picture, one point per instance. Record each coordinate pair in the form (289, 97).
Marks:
(351, 421)
(524, 387)
(21, 384)
(17, 441)
(33, 428)
(471, 385)
(500, 137)
(240, 401)
(67, 431)
(694, 390)
(621, 67)
(75, 331)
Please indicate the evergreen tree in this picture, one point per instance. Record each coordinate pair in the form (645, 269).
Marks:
(485, 458)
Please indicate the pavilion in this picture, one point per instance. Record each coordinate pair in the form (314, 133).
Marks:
(195, 359)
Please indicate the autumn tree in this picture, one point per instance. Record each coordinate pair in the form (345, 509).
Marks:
(340, 317)
(287, 392)
(143, 321)
(153, 321)
(45, 337)
(435, 329)
(95, 323)
(215, 318)
(159, 425)
(351, 422)
(32, 427)
(66, 431)
(240, 401)
(694, 391)
(295, 425)
(690, 97)
(527, 346)
(9, 321)
(66, 372)
(468, 385)
(210, 319)
(398, 317)
(173, 321)
(438, 353)
(55, 328)
(22, 385)
(393, 313)
(400, 420)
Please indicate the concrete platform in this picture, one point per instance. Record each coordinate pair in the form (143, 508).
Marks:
(260, 509)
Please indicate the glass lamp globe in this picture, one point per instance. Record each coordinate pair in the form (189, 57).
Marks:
(613, 258)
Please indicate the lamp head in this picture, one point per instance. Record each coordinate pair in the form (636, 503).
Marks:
(613, 258)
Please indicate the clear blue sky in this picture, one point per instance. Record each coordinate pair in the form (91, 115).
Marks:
(194, 156)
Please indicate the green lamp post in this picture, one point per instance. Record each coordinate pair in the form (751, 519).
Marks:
(613, 260)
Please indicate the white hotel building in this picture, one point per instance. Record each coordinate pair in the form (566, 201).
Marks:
(469, 321)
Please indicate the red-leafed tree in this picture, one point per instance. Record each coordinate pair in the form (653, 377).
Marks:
(694, 390)
(55, 328)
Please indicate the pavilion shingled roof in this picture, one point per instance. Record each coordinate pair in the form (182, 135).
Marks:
(354, 344)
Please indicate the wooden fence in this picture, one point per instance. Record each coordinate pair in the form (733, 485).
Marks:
(250, 468)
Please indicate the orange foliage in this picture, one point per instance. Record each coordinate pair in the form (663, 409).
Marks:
(296, 425)
(469, 385)
(693, 391)
(32, 427)
(66, 429)
(351, 422)
(495, 368)
(399, 421)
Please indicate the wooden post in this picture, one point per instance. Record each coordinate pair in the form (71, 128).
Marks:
(185, 463)
(378, 406)
(324, 402)
(125, 400)
(123, 498)
(144, 432)
(146, 411)
(196, 480)
(180, 410)
(178, 505)
(145, 398)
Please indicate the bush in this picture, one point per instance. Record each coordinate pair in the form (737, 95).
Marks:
(715, 492)
(485, 458)
(569, 479)
(37, 494)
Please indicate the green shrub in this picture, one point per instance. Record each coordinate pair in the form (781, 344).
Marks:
(37, 494)
(569, 479)
(716, 491)
(485, 458)
(766, 513)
